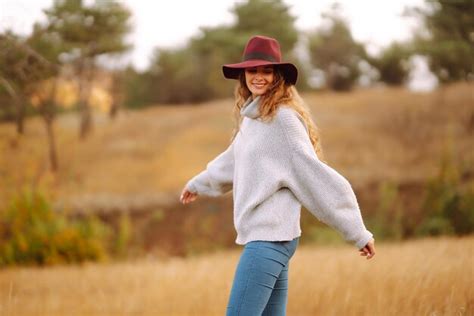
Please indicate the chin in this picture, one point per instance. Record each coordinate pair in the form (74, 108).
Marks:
(259, 93)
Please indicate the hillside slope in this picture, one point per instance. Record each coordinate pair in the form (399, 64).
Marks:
(146, 156)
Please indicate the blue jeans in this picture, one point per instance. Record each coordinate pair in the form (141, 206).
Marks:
(261, 279)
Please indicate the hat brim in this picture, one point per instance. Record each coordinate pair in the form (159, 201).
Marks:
(232, 71)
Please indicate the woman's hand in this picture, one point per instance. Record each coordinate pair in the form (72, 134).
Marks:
(187, 196)
(369, 249)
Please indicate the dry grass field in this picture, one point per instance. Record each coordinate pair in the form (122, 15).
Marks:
(419, 277)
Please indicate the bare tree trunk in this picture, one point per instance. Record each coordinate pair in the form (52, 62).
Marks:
(53, 156)
(20, 115)
(84, 93)
(116, 90)
(47, 110)
(114, 108)
(331, 76)
(86, 119)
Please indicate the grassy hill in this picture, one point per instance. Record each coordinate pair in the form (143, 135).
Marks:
(138, 163)
(368, 135)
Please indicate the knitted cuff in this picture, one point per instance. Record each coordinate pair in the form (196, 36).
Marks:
(191, 187)
(366, 237)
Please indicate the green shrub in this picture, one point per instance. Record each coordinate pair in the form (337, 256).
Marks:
(462, 216)
(124, 235)
(449, 202)
(387, 223)
(32, 233)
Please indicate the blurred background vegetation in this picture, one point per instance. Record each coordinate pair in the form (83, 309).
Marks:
(93, 157)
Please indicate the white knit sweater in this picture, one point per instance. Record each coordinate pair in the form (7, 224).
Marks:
(273, 170)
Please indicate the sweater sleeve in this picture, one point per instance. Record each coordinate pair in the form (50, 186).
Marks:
(217, 178)
(319, 188)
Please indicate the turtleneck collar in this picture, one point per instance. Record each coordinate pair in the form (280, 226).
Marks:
(251, 108)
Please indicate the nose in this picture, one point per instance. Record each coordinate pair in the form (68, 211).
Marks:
(259, 75)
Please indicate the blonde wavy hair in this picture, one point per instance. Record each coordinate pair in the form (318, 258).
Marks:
(279, 93)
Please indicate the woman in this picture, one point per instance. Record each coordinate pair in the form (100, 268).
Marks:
(274, 165)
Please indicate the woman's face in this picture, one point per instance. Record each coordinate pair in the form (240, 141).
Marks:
(259, 79)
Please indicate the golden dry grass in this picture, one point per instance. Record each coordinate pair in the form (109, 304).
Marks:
(420, 277)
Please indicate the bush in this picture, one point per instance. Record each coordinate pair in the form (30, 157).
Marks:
(123, 236)
(387, 222)
(449, 203)
(32, 233)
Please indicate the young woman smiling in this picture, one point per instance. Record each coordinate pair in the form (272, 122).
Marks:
(273, 166)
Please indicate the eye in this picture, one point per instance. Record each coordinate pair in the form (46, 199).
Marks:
(251, 70)
(268, 70)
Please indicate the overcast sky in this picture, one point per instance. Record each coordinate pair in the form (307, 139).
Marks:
(172, 23)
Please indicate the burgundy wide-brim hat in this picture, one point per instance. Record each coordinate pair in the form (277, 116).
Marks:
(262, 51)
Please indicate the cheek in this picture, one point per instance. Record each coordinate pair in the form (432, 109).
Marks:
(248, 78)
(270, 78)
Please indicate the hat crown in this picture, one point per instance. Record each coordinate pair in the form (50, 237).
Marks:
(262, 48)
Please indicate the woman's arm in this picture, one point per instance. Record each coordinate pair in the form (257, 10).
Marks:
(217, 178)
(320, 188)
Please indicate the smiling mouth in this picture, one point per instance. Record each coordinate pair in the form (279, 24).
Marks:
(259, 85)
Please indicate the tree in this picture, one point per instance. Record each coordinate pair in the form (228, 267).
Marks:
(117, 86)
(88, 32)
(28, 73)
(336, 53)
(7, 109)
(175, 77)
(447, 39)
(14, 75)
(138, 88)
(44, 89)
(393, 64)
(269, 18)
